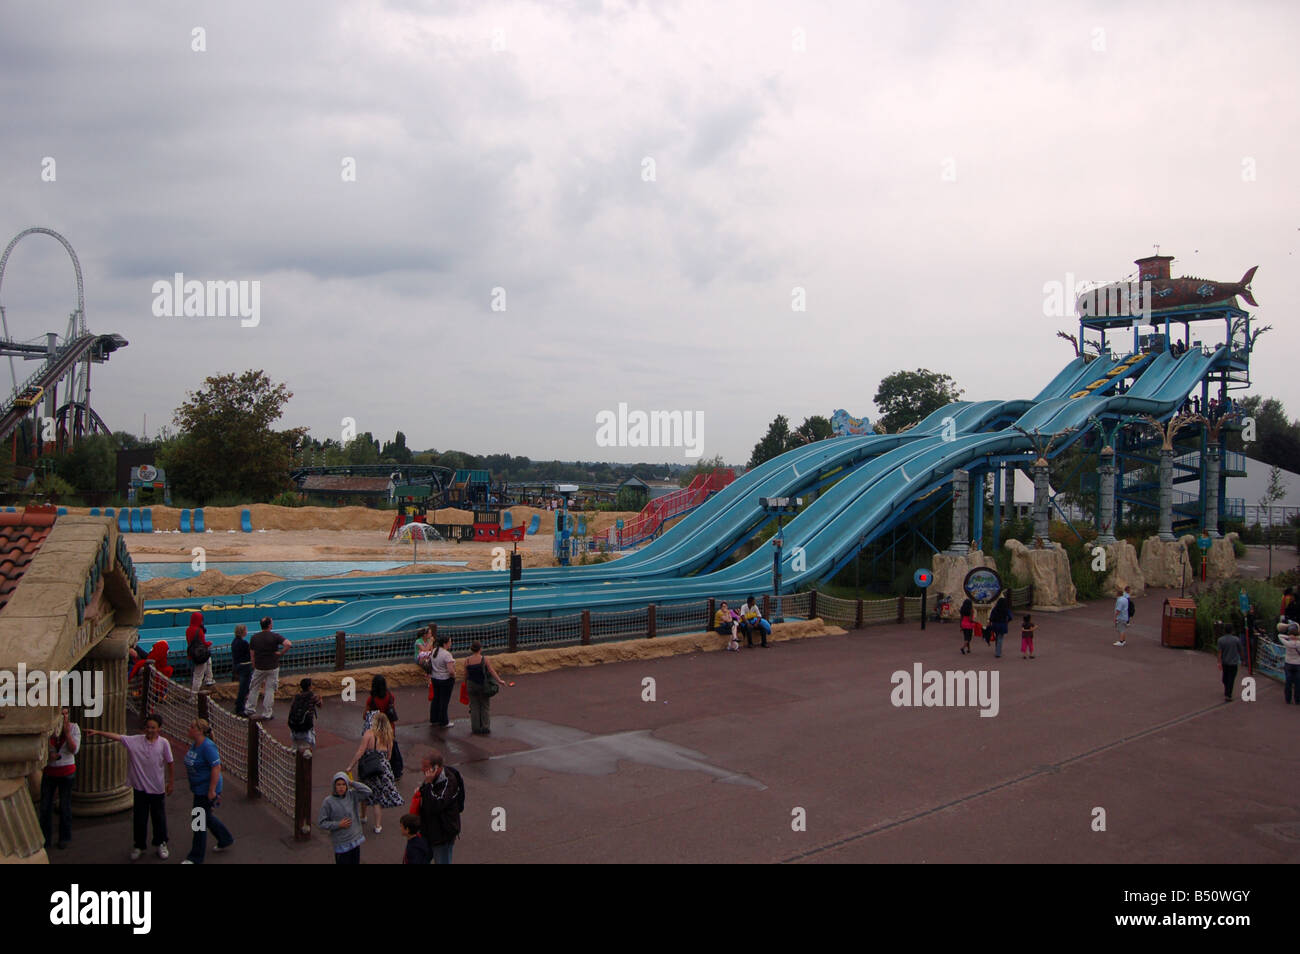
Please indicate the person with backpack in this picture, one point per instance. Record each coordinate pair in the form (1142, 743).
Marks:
(302, 716)
(967, 613)
(1123, 613)
(439, 803)
(998, 621)
(199, 651)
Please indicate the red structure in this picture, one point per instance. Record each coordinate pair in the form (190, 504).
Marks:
(653, 516)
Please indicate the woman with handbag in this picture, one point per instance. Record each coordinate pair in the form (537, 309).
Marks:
(483, 683)
(373, 768)
(967, 613)
(381, 700)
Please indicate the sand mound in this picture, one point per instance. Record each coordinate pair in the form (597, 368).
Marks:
(207, 583)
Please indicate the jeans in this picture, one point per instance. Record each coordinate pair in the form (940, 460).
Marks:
(441, 853)
(999, 634)
(63, 785)
(1291, 691)
(198, 850)
(202, 675)
(147, 806)
(350, 857)
(1229, 678)
(441, 701)
(266, 680)
(244, 673)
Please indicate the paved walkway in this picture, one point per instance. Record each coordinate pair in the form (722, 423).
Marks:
(735, 746)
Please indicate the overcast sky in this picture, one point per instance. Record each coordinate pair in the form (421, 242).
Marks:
(648, 183)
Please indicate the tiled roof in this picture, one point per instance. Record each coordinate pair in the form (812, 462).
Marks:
(21, 535)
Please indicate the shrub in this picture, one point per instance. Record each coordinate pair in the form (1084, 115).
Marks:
(287, 499)
(1221, 602)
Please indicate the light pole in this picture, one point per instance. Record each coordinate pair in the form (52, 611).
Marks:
(780, 506)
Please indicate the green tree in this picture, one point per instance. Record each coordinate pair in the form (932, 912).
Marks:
(815, 428)
(362, 449)
(225, 443)
(91, 466)
(775, 442)
(706, 466)
(906, 397)
(396, 450)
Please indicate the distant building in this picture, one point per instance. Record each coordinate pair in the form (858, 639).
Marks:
(342, 491)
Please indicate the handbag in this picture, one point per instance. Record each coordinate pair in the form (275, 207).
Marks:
(490, 686)
(371, 764)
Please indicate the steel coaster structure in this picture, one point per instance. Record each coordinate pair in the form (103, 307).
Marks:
(65, 366)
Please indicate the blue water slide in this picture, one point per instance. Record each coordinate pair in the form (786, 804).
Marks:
(124, 521)
(507, 520)
(146, 520)
(533, 525)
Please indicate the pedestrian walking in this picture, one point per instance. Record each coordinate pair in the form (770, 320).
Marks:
(241, 665)
(967, 614)
(998, 620)
(442, 678)
(439, 803)
(149, 773)
(1123, 613)
(1027, 638)
(340, 816)
(1287, 633)
(381, 700)
(302, 715)
(203, 767)
(58, 777)
(267, 648)
(199, 651)
(1229, 659)
(482, 683)
(416, 851)
(373, 767)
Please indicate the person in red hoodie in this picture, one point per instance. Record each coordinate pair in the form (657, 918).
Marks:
(199, 651)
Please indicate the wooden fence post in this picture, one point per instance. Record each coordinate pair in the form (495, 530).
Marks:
(513, 630)
(812, 605)
(902, 609)
(767, 607)
(302, 795)
(708, 625)
(252, 758)
(650, 621)
(857, 620)
(201, 705)
(340, 650)
(586, 627)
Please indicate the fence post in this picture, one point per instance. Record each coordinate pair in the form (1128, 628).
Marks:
(857, 619)
(812, 605)
(902, 610)
(586, 627)
(708, 624)
(201, 705)
(767, 608)
(513, 630)
(302, 795)
(340, 649)
(252, 758)
(650, 621)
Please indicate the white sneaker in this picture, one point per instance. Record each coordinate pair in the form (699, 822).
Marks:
(1119, 644)
(187, 862)
(163, 853)
(135, 854)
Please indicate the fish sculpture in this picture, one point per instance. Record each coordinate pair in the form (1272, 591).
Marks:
(1158, 293)
(844, 424)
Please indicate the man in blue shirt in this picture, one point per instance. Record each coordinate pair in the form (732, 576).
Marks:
(203, 766)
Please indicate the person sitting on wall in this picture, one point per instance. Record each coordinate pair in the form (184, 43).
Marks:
(751, 618)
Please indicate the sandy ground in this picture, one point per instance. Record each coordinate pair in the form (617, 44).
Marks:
(315, 533)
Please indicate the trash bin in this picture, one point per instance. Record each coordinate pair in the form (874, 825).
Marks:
(1178, 624)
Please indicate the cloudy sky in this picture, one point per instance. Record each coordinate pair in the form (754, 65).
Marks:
(642, 187)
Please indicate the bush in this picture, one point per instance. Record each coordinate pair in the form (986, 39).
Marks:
(287, 499)
(1238, 548)
(1221, 602)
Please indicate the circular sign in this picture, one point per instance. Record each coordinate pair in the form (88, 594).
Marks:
(148, 472)
(1203, 543)
(982, 584)
(923, 578)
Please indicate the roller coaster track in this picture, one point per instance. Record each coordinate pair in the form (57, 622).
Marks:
(87, 347)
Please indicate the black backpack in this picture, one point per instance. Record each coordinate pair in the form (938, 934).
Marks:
(1132, 608)
(460, 787)
(198, 651)
(302, 713)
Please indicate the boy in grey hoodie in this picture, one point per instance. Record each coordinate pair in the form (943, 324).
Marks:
(340, 815)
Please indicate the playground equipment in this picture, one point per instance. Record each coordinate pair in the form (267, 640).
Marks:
(198, 521)
(246, 521)
(650, 521)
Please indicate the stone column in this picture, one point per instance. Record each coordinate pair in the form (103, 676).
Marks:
(101, 787)
(1042, 504)
(960, 512)
(1166, 494)
(1212, 492)
(1106, 494)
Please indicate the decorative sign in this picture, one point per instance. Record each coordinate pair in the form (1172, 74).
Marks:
(982, 584)
(923, 578)
(1203, 543)
(148, 473)
(618, 524)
